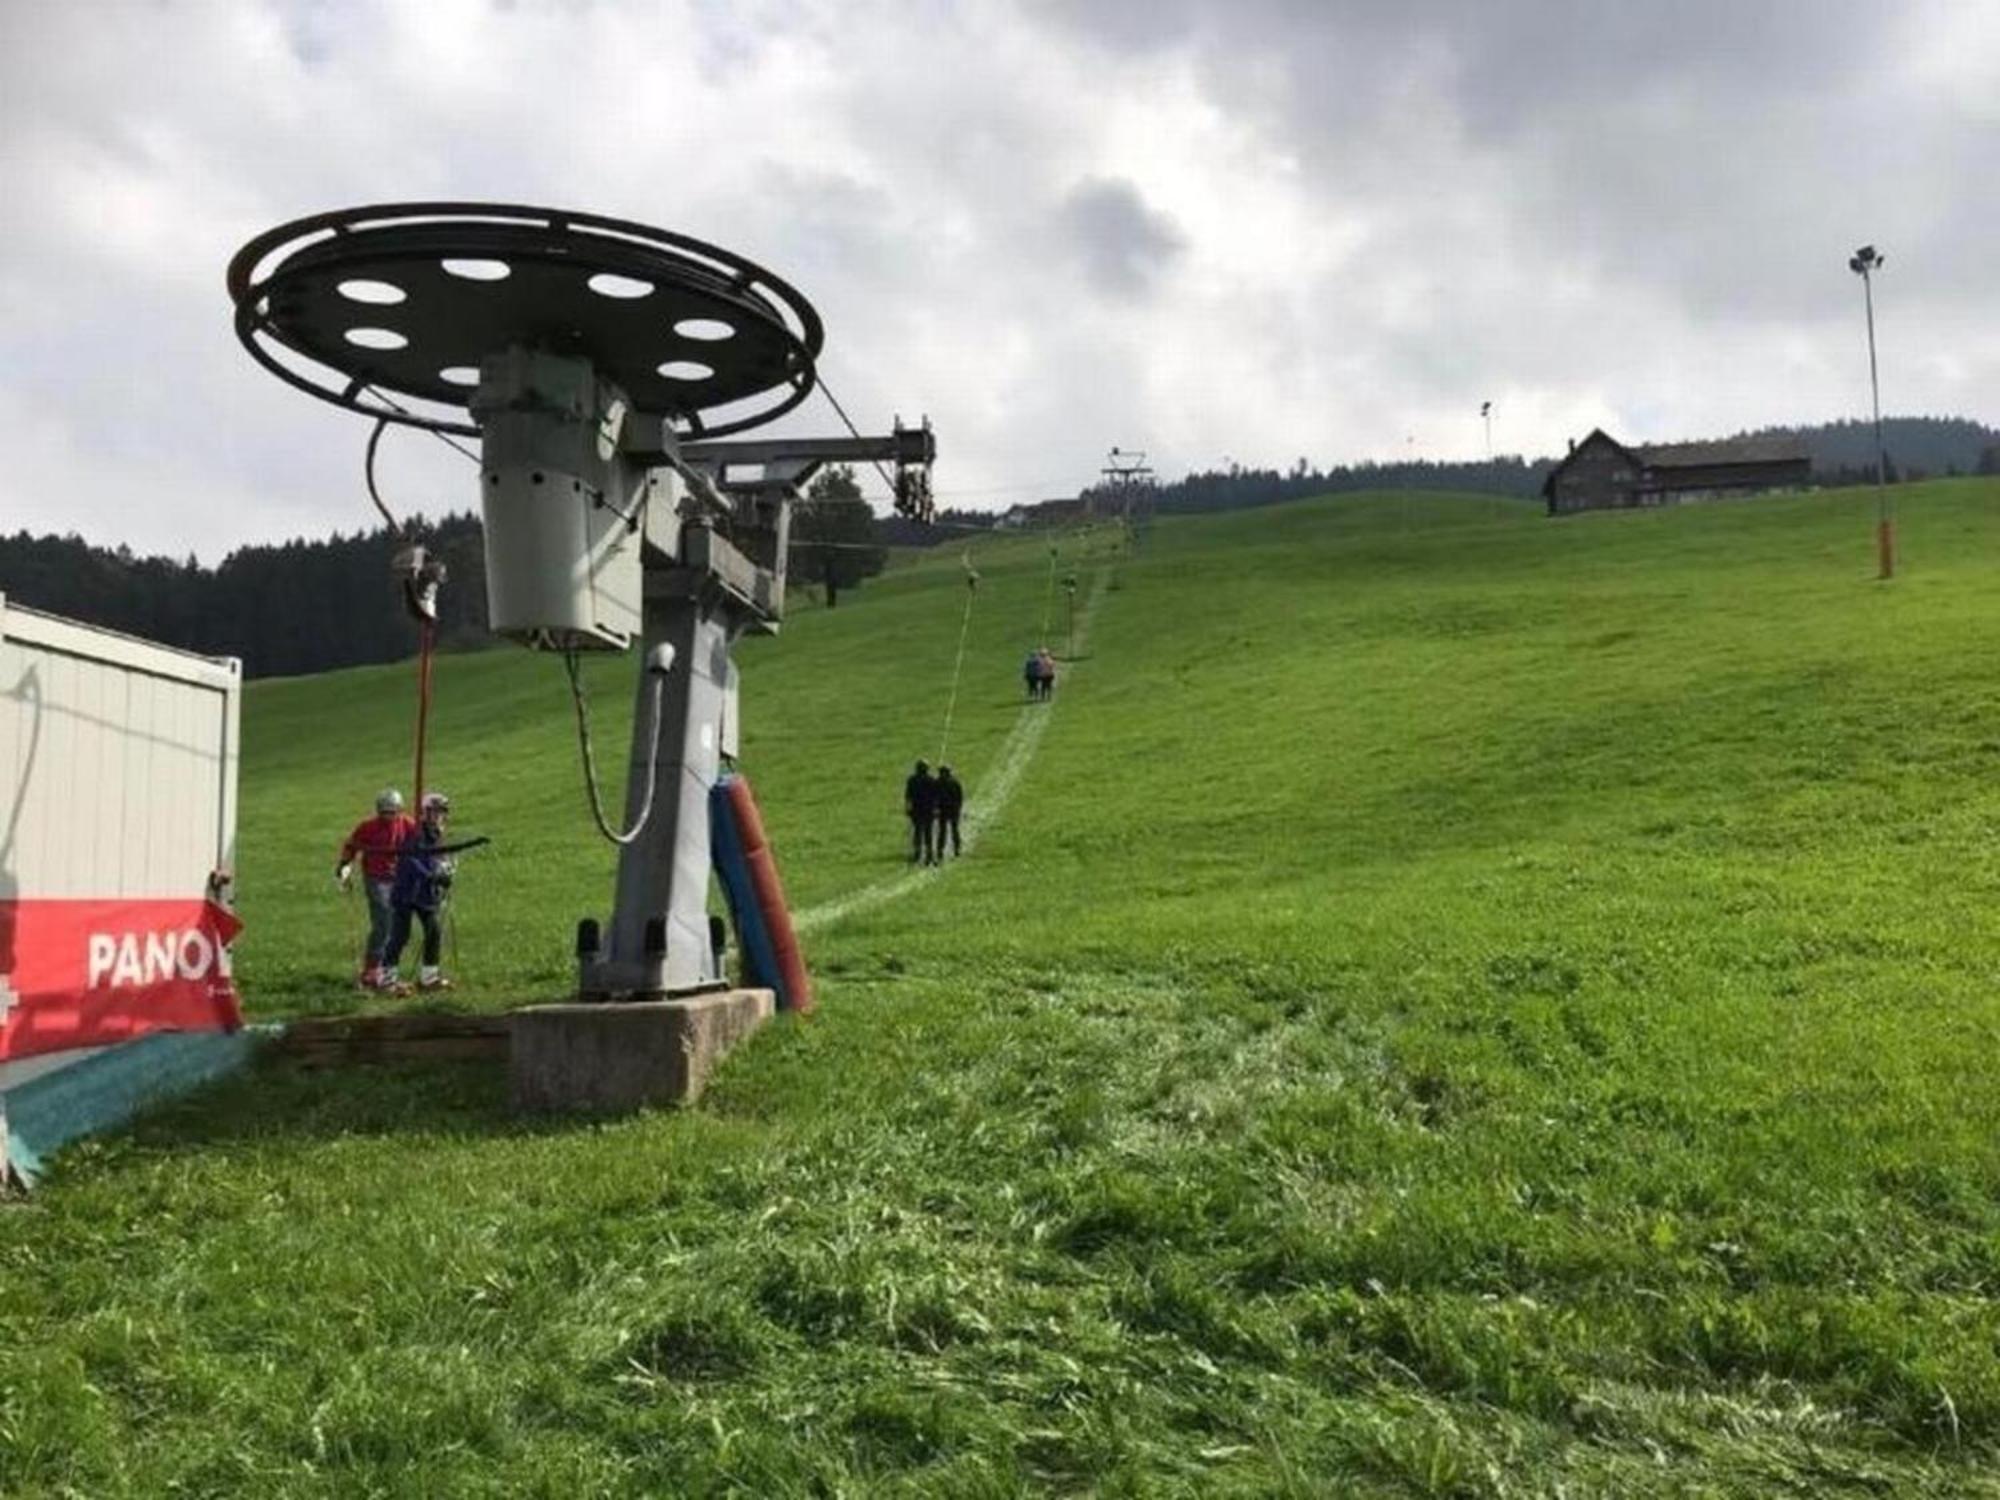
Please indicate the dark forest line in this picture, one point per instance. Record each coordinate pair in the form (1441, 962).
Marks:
(297, 607)
(1841, 453)
(312, 606)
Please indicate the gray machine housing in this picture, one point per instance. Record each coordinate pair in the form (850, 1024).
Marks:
(603, 529)
(562, 505)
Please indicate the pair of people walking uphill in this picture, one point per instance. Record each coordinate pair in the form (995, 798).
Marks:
(1039, 673)
(933, 805)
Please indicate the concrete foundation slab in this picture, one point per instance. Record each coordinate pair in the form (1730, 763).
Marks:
(613, 1056)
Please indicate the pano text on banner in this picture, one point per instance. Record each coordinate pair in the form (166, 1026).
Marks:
(91, 973)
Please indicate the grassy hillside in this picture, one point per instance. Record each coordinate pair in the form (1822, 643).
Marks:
(1458, 1004)
(834, 710)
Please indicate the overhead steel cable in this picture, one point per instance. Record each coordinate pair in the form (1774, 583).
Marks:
(443, 437)
(855, 433)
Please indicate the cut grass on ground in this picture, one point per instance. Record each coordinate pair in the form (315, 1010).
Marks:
(1460, 1004)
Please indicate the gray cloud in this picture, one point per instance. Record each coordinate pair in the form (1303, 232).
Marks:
(1257, 228)
(1124, 245)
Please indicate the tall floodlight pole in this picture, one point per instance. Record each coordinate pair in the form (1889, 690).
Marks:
(1409, 475)
(1865, 263)
(1486, 416)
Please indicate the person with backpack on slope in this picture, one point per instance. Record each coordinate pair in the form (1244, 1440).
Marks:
(920, 806)
(950, 803)
(1031, 673)
(1045, 672)
(376, 841)
(424, 870)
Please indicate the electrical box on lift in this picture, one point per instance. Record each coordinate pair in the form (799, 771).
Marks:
(565, 512)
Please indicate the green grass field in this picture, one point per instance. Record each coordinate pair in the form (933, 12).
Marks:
(1458, 1004)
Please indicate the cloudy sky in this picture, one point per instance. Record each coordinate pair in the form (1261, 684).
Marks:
(1264, 229)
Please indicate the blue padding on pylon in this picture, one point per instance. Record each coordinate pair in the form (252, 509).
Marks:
(105, 1089)
(725, 844)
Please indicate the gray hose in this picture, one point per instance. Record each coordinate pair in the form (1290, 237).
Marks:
(659, 684)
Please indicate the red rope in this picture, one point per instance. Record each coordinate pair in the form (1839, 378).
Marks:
(426, 635)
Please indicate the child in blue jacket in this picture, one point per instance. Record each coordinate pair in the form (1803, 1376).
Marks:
(423, 875)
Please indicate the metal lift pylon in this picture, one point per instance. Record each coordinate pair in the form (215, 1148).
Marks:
(698, 605)
(604, 367)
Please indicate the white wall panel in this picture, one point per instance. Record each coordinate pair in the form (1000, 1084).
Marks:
(117, 762)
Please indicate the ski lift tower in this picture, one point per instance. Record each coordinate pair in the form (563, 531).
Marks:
(1130, 479)
(604, 368)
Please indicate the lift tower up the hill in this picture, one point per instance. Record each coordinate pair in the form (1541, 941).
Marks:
(1130, 481)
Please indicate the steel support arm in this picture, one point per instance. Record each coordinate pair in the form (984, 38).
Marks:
(911, 445)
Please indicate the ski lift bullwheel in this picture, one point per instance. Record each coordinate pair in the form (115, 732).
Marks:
(365, 305)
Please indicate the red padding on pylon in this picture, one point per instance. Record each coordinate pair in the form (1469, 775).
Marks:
(763, 865)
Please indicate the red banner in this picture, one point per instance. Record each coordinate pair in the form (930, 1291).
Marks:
(89, 973)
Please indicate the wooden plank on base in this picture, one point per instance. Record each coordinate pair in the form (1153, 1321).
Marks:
(345, 1041)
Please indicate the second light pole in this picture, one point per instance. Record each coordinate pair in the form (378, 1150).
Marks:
(1865, 263)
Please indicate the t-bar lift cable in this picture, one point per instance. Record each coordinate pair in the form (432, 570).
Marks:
(958, 666)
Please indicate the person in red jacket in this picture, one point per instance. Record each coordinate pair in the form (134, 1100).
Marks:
(376, 841)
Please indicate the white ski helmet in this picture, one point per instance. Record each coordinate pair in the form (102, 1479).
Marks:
(388, 800)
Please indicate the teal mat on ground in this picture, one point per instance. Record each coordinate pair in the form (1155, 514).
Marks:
(102, 1091)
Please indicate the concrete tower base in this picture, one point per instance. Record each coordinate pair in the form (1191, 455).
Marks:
(616, 1056)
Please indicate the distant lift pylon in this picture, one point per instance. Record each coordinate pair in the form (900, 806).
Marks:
(1129, 478)
(604, 367)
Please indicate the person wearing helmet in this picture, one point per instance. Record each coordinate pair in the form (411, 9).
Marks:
(423, 874)
(375, 841)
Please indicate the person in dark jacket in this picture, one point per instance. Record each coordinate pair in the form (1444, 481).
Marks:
(920, 806)
(423, 874)
(950, 803)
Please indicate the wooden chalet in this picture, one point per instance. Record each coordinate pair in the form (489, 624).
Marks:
(1602, 473)
(1042, 513)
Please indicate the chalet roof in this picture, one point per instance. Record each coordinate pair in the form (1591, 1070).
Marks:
(1770, 448)
(1596, 433)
